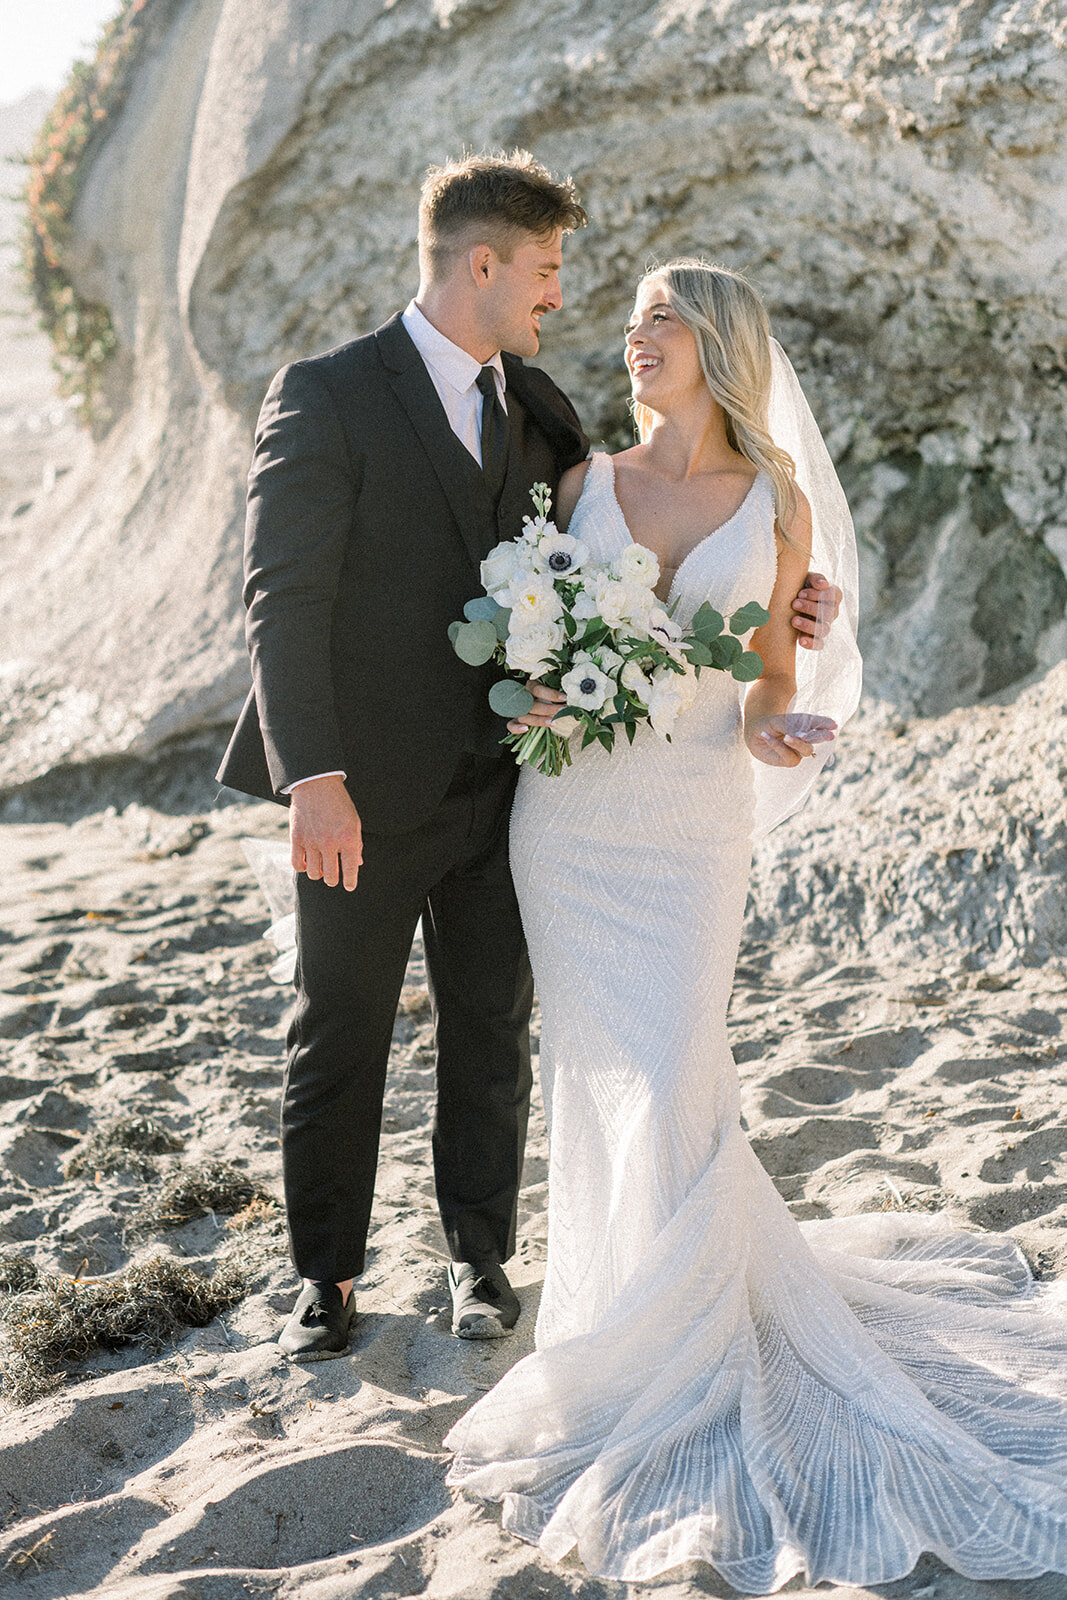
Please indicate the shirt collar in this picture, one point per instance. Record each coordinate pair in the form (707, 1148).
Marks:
(458, 369)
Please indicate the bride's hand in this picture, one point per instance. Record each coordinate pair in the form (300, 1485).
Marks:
(546, 703)
(784, 740)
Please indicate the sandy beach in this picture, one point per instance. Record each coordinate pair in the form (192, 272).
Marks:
(138, 1112)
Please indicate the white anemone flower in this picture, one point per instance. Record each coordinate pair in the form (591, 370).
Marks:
(504, 563)
(666, 632)
(532, 598)
(638, 565)
(586, 686)
(559, 553)
(529, 649)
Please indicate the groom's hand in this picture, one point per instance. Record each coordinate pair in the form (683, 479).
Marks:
(815, 610)
(325, 832)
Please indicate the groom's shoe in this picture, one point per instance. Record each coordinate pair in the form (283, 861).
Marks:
(484, 1305)
(321, 1323)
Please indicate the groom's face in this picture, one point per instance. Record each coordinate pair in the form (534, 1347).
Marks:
(522, 291)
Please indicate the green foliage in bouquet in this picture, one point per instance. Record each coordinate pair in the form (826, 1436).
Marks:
(615, 674)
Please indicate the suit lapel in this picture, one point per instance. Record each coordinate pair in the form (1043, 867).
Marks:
(548, 409)
(457, 471)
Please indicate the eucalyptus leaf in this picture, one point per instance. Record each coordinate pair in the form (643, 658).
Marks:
(475, 642)
(699, 654)
(707, 623)
(725, 650)
(502, 622)
(483, 609)
(510, 699)
(748, 667)
(453, 629)
(752, 615)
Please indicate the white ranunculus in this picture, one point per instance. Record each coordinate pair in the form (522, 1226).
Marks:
(532, 598)
(609, 660)
(529, 649)
(639, 566)
(586, 686)
(559, 554)
(584, 608)
(618, 602)
(670, 694)
(631, 677)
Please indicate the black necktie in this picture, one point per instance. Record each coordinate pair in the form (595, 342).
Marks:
(494, 433)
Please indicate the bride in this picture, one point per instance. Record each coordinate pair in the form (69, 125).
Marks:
(712, 1380)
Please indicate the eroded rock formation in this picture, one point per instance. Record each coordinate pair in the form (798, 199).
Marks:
(890, 174)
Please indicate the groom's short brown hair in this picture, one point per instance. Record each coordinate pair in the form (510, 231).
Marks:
(494, 200)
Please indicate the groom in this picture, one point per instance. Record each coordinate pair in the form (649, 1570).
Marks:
(383, 473)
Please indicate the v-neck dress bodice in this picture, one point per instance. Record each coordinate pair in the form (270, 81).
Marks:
(706, 766)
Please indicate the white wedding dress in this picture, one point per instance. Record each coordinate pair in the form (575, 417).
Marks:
(711, 1379)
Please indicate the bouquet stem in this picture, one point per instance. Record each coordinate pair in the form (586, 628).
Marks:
(541, 749)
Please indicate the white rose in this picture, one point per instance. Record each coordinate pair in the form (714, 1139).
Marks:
(642, 604)
(638, 682)
(617, 602)
(584, 608)
(639, 566)
(670, 693)
(529, 649)
(586, 686)
(532, 598)
(501, 567)
(559, 554)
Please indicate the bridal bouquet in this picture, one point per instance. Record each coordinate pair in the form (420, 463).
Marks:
(597, 632)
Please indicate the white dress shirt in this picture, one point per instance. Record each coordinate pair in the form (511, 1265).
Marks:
(454, 375)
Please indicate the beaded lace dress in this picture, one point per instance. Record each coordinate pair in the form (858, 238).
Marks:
(711, 1379)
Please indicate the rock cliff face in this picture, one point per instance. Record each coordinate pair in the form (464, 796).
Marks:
(889, 174)
(941, 841)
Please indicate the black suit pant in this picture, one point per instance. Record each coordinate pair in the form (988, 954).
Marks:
(353, 949)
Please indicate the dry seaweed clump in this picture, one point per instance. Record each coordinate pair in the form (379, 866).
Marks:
(191, 1192)
(63, 1320)
(126, 1144)
(16, 1274)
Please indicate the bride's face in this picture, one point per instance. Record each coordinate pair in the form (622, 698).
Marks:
(661, 353)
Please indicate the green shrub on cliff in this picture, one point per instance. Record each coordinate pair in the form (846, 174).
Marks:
(81, 330)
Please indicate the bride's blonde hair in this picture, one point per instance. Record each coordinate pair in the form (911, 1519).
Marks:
(727, 318)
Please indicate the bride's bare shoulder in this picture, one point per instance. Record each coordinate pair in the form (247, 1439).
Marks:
(633, 460)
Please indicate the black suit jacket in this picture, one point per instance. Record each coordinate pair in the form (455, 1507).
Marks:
(367, 521)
